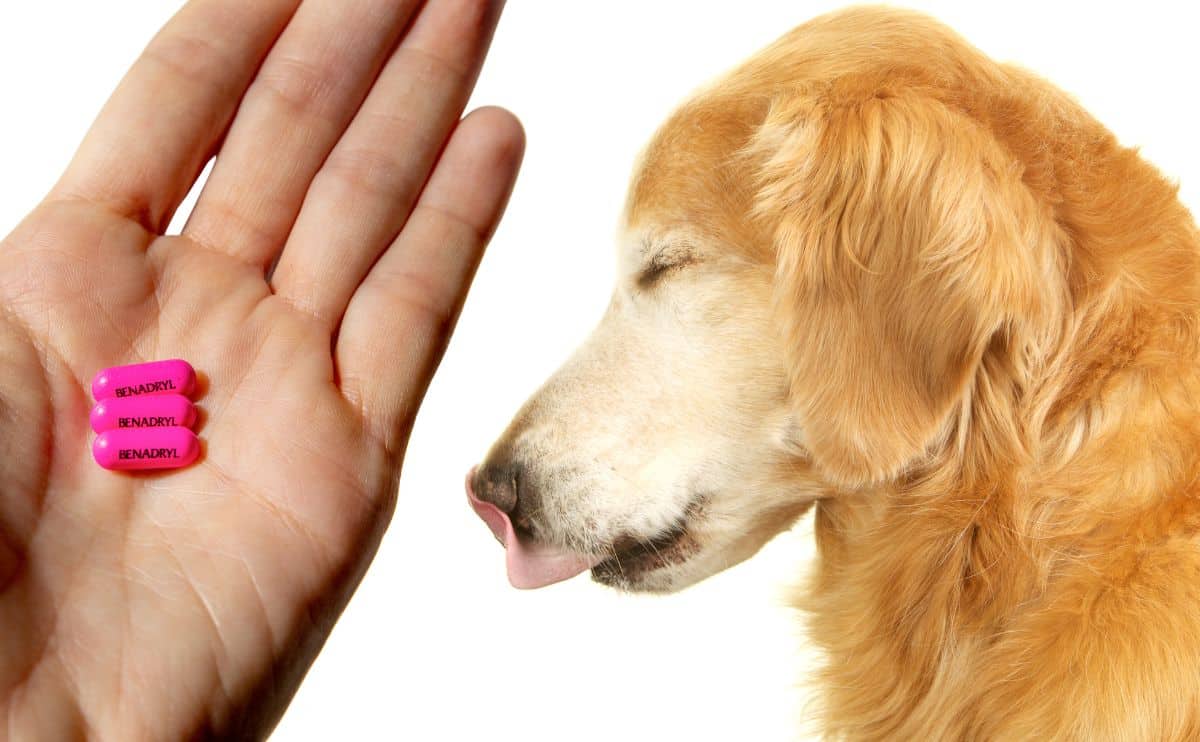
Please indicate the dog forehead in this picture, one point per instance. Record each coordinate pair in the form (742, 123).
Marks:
(692, 177)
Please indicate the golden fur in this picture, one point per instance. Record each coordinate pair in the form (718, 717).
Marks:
(989, 314)
(874, 270)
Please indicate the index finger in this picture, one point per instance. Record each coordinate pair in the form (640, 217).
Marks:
(152, 138)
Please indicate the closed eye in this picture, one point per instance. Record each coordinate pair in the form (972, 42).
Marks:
(662, 264)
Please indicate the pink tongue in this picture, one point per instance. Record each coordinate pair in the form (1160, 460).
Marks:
(528, 566)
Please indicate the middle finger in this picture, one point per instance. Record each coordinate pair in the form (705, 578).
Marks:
(363, 193)
(305, 95)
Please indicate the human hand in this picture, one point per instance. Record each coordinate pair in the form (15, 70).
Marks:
(313, 288)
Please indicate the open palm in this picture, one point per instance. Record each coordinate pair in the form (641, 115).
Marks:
(313, 289)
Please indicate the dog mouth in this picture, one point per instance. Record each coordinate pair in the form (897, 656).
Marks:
(633, 558)
(534, 564)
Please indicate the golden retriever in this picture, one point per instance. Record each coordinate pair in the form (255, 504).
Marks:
(874, 272)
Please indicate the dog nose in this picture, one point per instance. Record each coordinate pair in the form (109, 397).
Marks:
(499, 482)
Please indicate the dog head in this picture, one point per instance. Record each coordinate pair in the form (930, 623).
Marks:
(826, 256)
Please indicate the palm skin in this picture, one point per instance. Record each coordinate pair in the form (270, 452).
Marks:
(212, 569)
(189, 603)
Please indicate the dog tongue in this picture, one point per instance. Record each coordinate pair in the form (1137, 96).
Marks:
(528, 566)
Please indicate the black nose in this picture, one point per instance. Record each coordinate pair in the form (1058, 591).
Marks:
(499, 482)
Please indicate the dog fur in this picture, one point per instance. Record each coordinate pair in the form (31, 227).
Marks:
(961, 319)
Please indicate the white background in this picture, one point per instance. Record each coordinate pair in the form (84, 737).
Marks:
(435, 645)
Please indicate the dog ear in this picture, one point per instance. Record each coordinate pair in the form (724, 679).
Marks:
(906, 242)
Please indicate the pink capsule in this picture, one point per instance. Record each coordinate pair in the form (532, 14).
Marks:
(154, 411)
(157, 377)
(146, 448)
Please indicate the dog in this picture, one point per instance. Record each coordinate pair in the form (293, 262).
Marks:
(874, 273)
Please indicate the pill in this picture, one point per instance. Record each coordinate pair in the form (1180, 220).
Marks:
(153, 411)
(146, 448)
(157, 377)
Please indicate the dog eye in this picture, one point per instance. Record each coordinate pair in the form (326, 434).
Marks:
(661, 264)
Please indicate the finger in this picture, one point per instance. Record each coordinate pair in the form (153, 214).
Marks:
(152, 138)
(360, 198)
(399, 320)
(305, 95)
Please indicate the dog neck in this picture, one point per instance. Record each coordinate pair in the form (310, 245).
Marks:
(1040, 484)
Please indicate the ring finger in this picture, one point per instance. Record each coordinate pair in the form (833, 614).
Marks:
(299, 105)
(363, 194)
